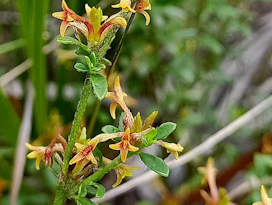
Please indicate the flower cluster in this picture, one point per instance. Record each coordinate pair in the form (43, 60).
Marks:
(92, 27)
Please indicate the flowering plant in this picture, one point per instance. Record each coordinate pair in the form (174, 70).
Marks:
(81, 162)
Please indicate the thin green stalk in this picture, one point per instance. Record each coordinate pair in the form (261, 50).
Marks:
(81, 107)
(100, 173)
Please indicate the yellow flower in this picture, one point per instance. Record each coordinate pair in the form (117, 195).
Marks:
(171, 147)
(117, 96)
(125, 5)
(265, 199)
(142, 6)
(37, 152)
(67, 16)
(91, 28)
(85, 151)
(95, 17)
(124, 146)
(123, 171)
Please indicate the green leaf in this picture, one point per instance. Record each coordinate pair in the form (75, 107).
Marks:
(72, 41)
(97, 153)
(32, 19)
(89, 63)
(100, 189)
(110, 129)
(91, 190)
(80, 67)
(106, 61)
(93, 58)
(164, 130)
(148, 139)
(99, 67)
(81, 52)
(82, 191)
(155, 163)
(85, 201)
(100, 85)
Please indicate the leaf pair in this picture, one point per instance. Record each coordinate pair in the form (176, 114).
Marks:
(98, 190)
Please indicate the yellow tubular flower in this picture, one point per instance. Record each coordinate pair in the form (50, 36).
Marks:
(171, 147)
(86, 152)
(142, 6)
(125, 5)
(123, 171)
(37, 152)
(117, 96)
(124, 146)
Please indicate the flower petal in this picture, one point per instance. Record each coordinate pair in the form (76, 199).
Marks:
(123, 154)
(115, 146)
(118, 180)
(37, 163)
(91, 158)
(132, 148)
(59, 15)
(63, 27)
(147, 17)
(113, 107)
(76, 158)
(80, 165)
(80, 146)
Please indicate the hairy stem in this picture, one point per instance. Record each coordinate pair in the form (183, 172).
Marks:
(81, 107)
(60, 197)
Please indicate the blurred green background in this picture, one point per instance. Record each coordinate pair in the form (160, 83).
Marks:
(200, 63)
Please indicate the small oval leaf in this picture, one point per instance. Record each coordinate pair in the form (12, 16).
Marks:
(164, 130)
(100, 85)
(108, 129)
(80, 67)
(85, 201)
(155, 163)
(72, 41)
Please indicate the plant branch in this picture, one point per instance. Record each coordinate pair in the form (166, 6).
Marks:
(100, 173)
(197, 151)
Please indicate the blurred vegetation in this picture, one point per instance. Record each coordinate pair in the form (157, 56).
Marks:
(174, 65)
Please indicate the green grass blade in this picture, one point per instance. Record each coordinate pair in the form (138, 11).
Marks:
(32, 13)
(9, 121)
(11, 46)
